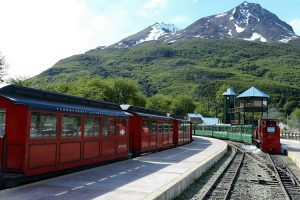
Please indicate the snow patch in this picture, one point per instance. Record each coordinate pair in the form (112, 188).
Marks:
(220, 15)
(256, 36)
(172, 41)
(230, 32)
(287, 39)
(238, 29)
(233, 12)
(158, 30)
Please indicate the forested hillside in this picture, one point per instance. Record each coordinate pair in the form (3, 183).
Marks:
(197, 68)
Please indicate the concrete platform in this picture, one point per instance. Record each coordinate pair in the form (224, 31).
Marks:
(293, 148)
(162, 175)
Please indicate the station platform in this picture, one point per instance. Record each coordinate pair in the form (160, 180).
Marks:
(161, 175)
(293, 149)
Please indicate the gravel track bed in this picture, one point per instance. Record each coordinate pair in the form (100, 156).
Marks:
(254, 181)
(248, 187)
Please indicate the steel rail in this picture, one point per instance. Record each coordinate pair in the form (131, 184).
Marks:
(217, 181)
(288, 197)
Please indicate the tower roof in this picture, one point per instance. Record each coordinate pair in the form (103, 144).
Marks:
(229, 92)
(253, 92)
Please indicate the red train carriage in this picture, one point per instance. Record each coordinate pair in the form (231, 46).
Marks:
(182, 130)
(149, 130)
(267, 135)
(43, 132)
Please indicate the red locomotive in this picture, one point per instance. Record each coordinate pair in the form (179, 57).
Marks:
(267, 136)
(43, 132)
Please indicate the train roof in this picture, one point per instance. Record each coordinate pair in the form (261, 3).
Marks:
(45, 100)
(144, 112)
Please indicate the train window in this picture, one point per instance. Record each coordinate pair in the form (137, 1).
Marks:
(160, 128)
(43, 125)
(109, 127)
(153, 128)
(166, 128)
(180, 128)
(121, 126)
(171, 129)
(91, 126)
(146, 126)
(2, 121)
(71, 126)
(187, 126)
(271, 129)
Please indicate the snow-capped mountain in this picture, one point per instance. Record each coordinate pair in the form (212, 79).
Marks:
(248, 21)
(148, 34)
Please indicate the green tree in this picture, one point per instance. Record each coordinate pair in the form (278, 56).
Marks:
(126, 91)
(183, 105)
(19, 80)
(202, 109)
(296, 112)
(294, 120)
(160, 102)
(290, 106)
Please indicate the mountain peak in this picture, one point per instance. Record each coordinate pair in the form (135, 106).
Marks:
(151, 33)
(247, 21)
(247, 4)
(168, 28)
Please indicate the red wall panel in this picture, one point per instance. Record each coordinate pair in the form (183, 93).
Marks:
(91, 149)
(41, 155)
(108, 147)
(69, 152)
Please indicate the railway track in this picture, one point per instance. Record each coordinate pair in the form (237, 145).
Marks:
(284, 176)
(249, 174)
(223, 184)
(288, 181)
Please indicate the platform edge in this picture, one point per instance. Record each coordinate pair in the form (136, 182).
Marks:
(178, 185)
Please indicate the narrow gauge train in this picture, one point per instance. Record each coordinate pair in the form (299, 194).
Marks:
(266, 136)
(44, 132)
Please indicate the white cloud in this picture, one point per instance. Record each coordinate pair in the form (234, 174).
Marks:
(152, 7)
(35, 34)
(295, 23)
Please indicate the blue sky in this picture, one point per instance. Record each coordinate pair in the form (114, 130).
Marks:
(35, 34)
